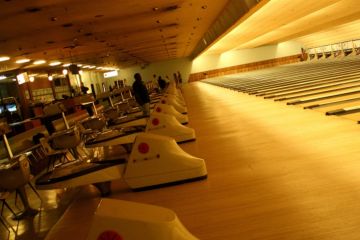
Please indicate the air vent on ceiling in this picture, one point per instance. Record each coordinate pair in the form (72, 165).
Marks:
(171, 8)
(33, 9)
(88, 34)
(70, 46)
(66, 25)
(172, 25)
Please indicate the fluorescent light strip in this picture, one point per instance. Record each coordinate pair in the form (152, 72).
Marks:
(4, 58)
(25, 60)
(55, 63)
(38, 62)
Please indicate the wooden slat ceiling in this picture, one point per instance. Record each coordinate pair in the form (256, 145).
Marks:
(103, 33)
(281, 20)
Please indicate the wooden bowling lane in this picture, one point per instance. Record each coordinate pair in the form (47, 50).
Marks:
(329, 97)
(294, 80)
(338, 106)
(353, 117)
(274, 172)
(318, 86)
(318, 93)
(287, 78)
(330, 102)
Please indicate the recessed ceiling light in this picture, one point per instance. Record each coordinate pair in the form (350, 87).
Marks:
(66, 64)
(25, 60)
(55, 63)
(65, 71)
(32, 79)
(4, 58)
(38, 62)
(50, 78)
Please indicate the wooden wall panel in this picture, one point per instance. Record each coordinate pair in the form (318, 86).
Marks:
(245, 67)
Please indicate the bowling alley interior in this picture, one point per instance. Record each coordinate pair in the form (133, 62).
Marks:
(179, 119)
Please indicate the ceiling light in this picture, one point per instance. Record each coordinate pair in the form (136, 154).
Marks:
(25, 60)
(4, 58)
(66, 64)
(55, 63)
(99, 68)
(32, 79)
(50, 78)
(86, 66)
(92, 67)
(65, 72)
(14, 79)
(2, 77)
(79, 65)
(38, 62)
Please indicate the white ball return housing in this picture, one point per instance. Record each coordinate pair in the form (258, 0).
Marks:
(155, 161)
(167, 125)
(120, 220)
(169, 109)
(158, 123)
(171, 100)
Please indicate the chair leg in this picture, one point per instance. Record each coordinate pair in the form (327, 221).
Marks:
(7, 224)
(4, 224)
(34, 190)
(10, 209)
(3, 219)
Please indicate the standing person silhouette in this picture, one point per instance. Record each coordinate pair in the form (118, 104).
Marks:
(141, 94)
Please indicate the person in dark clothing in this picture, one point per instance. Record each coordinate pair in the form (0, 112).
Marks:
(141, 94)
(162, 83)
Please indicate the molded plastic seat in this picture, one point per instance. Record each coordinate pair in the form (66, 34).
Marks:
(15, 174)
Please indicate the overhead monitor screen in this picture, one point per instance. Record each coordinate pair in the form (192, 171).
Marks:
(11, 107)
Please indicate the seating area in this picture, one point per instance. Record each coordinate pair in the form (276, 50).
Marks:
(81, 149)
(330, 86)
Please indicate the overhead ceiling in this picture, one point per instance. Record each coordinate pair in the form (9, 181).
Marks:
(112, 33)
(276, 21)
